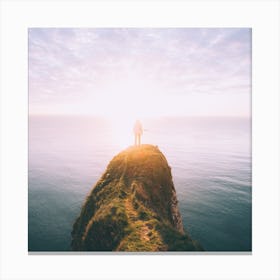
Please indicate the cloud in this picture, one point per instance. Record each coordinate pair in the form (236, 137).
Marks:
(79, 65)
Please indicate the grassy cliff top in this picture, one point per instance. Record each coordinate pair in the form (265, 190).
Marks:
(133, 207)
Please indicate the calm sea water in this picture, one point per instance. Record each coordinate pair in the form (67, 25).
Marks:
(211, 167)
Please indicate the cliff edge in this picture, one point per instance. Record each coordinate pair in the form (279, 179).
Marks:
(133, 207)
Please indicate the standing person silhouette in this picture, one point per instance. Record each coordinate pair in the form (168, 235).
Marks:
(138, 131)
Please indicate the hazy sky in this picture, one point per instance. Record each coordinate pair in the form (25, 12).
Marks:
(135, 72)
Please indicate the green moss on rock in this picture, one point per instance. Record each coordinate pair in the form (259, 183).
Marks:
(133, 207)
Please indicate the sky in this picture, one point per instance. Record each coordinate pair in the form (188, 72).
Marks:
(140, 72)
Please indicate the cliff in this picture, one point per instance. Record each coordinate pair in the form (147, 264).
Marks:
(133, 207)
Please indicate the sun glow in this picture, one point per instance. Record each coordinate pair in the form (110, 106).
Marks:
(124, 103)
(122, 131)
(130, 97)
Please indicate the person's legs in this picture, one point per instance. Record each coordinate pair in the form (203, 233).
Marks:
(135, 139)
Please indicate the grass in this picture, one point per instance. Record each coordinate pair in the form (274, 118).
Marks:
(130, 208)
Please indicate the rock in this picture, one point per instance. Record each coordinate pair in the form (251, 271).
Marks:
(133, 209)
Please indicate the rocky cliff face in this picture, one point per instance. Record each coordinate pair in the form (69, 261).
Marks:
(133, 207)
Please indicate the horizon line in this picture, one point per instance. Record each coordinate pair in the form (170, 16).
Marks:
(150, 117)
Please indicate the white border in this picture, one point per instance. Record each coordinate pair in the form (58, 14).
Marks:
(262, 16)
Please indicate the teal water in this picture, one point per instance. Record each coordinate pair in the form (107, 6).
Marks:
(211, 167)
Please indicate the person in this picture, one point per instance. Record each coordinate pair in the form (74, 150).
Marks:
(138, 131)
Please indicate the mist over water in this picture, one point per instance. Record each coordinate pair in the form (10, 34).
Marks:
(210, 160)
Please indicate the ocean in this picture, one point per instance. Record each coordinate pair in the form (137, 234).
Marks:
(210, 160)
